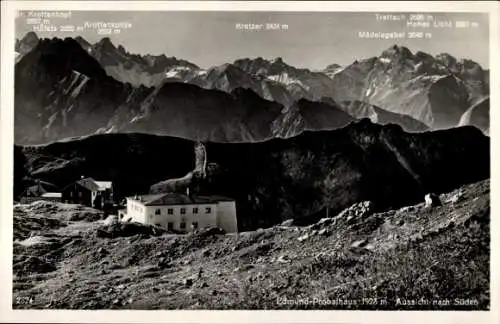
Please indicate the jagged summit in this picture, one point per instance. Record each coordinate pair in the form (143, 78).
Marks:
(105, 44)
(277, 60)
(59, 57)
(446, 57)
(30, 36)
(84, 44)
(397, 51)
(121, 49)
(259, 62)
(27, 43)
(423, 56)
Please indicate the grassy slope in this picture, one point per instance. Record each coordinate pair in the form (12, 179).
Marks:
(411, 253)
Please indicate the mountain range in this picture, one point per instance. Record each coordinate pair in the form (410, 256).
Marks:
(434, 90)
(67, 88)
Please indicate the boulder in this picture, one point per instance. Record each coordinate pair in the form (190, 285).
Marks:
(283, 259)
(110, 220)
(457, 197)
(359, 243)
(188, 282)
(432, 200)
(244, 267)
(303, 237)
(323, 231)
(288, 222)
(102, 251)
(356, 211)
(407, 209)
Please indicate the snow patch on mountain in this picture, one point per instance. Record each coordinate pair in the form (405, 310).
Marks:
(136, 119)
(83, 81)
(427, 78)
(284, 78)
(176, 71)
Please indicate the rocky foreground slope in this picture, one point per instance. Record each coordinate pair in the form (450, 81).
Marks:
(410, 258)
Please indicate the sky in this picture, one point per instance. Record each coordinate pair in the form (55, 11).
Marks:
(312, 40)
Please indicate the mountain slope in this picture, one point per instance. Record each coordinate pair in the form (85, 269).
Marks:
(299, 177)
(306, 115)
(229, 76)
(380, 116)
(300, 83)
(478, 115)
(60, 91)
(188, 111)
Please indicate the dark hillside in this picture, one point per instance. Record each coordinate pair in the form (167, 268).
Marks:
(300, 177)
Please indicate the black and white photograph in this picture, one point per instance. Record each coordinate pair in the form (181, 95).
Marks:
(251, 160)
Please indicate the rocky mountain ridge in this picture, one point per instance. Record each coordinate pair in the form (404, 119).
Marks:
(302, 177)
(434, 90)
